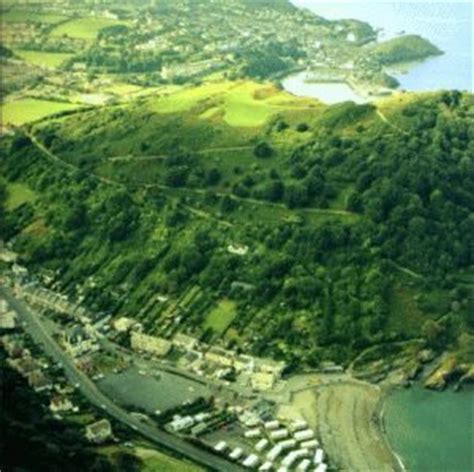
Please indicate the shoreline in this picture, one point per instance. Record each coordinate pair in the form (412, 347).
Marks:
(362, 94)
(386, 391)
(348, 416)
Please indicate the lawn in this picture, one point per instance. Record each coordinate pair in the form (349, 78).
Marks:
(19, 194)
(243, 104)
(154, 461)
(31, 109)
(43, 59)
(84, 28)
(220, 317)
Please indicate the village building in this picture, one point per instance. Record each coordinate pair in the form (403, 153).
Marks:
(77, 341)
(238, 249)
(8, 256)
(23, 365)
(60, 403)
(152, 344)
(219, 356)
(13, 347)
(8, 318)
(99, 431)
(123, 324)
(39, 381)
(183, 341)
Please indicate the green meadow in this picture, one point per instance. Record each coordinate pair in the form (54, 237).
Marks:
(43, 59)
(84, 28)
(26, 110)
(241, 104)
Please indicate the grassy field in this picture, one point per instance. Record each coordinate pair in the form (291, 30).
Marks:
(84, 28)
(19, 194)
(21, 16)
(221, 317)
(43, 59)
(30, 109)
(242, 104)
(155, 461)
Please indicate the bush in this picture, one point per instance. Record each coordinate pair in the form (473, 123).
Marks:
(263, 150)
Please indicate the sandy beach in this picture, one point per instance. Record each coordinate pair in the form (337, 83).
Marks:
(346, 414)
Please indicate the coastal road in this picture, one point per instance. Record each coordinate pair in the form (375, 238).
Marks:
(41, 336)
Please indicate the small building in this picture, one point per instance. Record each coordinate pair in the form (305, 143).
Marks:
(261, 445)
(279, 434)
(219, 356)
(253, 433)
(60, 403)
(99, 431)
(152, 344)
(183, 341)
(238, 249)
(77, 341)
(311, 444)
(24, 365)
(287, 444)
(251, 461)
(271, 425)
(8, 256)
(303, 465)
(297, 425)
(263, 380)
(181, 423)
(123, 324)
(266, 467)
(221, 446)
(274, 452)
(304, 435)
(236, 454)
(8, 319)
(318, 456)
(321, 467)
(293, 456)
(39, 381)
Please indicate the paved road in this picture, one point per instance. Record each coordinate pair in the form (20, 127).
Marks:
(41, 336)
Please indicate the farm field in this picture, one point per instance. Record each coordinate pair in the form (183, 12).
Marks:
(26, 110)
(21, 16)
(84, 28)
(43, 59)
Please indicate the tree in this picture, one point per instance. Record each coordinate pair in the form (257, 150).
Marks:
(263, 150)
(302, 127)
(296, 195)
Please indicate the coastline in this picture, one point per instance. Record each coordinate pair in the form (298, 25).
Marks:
(348, 416)
(383, 430)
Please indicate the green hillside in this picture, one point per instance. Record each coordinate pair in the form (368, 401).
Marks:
(357, 220)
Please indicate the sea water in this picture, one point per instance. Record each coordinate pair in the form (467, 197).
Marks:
(448, 25)
(432, 431)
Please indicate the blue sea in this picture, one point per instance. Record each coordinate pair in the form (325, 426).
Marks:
(449, 25)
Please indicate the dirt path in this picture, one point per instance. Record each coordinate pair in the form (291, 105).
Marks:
(389, 123)
(59, 161)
